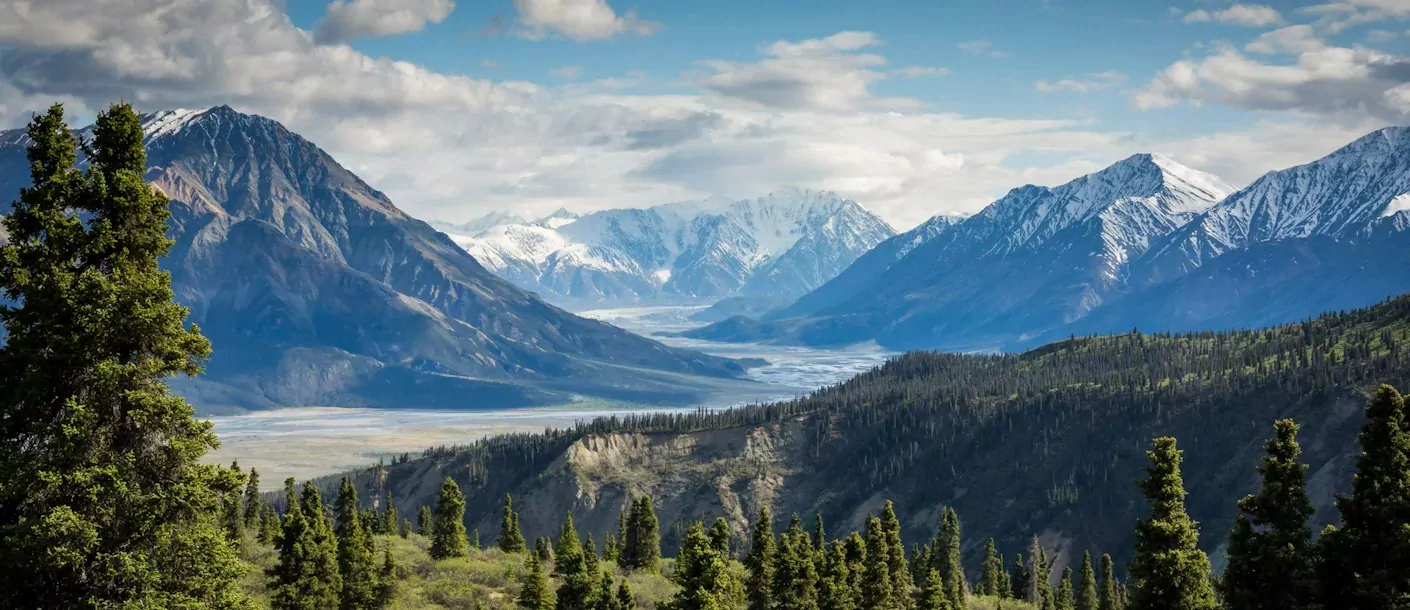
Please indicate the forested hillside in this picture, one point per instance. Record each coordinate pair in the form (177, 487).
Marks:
(1045, 443)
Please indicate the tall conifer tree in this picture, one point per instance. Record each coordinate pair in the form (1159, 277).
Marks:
(306, 576)
(448, 529)
(877, 590)
(795, 572)
(533, 587)
(1087, 588)
(92, 335)
(703, 576)
(1109, 597)
(1169, 572)
(758, 584)
(356, 564)
(991, 579)
(510, 540)
(1270, 549)
(900, 572)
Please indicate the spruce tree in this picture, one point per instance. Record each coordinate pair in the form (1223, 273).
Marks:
(856, 548)
(1065, 599)
(1087, 589)
(795, 572)
(387, 578)
(946, 558)
(389, 517)
(758, 584)
(609, 548)
(1270, 549)
(643, 536)
(405, 530)
(720, 536)
(104, 499)
(510, 540)
(1005, 584)
(1036, 588)
(819, 533)
(1018, 578)
(254, 503)
(836, 589)
(604, 596)
(474, 539)
(703, 575)
(1109, 596)
(876, 590)
(991, 579)
(900, 573)
(424, 522)
(543, 547)
(356, 564)
(269, 526)
(578, 580)
(306, 576)
(624, 598)
(1366, 561)
(1169, 571)
(533, 590)
(932, 595)
(1045, 576)
(233, 518)
(448, 529)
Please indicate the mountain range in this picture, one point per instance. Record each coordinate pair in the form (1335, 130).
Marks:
(770, 249)
(317, 290)
(1144, 243)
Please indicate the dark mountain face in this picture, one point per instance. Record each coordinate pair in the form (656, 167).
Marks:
(316, 289)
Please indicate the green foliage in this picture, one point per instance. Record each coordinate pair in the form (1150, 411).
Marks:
(1170, 572)
(510, 540)
(758, 586)
(233, 516)
(307, 575)
(357, 565)
(104, 501)
(720, 536)
(1065, 600)
(703, 575)
(947, 558)
(533, 592)
(837, 588)
(254, 503)
(992, 577)
(448, 525)
(898, 570)
(877, 590)
(795, 573)
(424, 523)
(1018, 579)
(932, 594)
(1270, 550)
(642, 544)
(1366, 561)
(578, 576)
(1087, 588)
(1109, 597)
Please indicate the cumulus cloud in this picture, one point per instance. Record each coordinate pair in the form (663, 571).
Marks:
(1343, 83)
(1292, 39)
(1247, 15)
(1341, 15)
(1082, 84)
(345, 20)
(823, 73)
(580, 20)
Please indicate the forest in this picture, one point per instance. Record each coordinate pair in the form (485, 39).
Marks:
(105, 502)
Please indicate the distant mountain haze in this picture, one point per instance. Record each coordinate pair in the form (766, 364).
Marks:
(315, 289)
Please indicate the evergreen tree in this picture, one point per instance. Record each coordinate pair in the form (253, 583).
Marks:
(474, 540)
(1037, 586)
(1087, 590)
(795, 573)
(820, 534)
(1366, 561)
(356, 564)
(104, 499)
(424, 522)
(387, 578)
(1109, 597)
(877, 590)
(720, 535)
(269, 526)
(758, 584)
(291, 494)
(254, 503)
(991, 580)
(579, 580)
(389, 517)
(703, 575)
(1018, 577)
(1270, 549)
(946, 558)
(624, 598)
(932, 592)
(533, 591)
(1066, 600)
(605, 600)
(856, 548)
(233, 518)
(306, 576)
(643, 536)
(1005, 582)
(1045, 577)
(448, 525)
(836, 589)
(510, 540)
(405, 530)
(900, 573)
(609, 548)
(1169, 572)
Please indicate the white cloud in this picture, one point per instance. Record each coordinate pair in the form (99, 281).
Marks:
(823, 73)
(1335, 82)
(568, 72)
(919, 71)
(580, 20)
(1082, 84)
(1293, 39)
(1341, 15)
(981, 47)
(345, 20)
(1381, 36)
(1247, 15)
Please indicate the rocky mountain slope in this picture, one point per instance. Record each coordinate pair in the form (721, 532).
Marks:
(315, 289)
(1047, 443)
(773, 248)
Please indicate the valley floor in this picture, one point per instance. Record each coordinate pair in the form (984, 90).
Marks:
(305, 442)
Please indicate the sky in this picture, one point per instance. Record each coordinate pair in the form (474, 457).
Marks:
(456, 108)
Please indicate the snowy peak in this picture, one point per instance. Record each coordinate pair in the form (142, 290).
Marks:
(784, 243)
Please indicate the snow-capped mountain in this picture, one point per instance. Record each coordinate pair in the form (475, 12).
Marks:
(1037, 257)
(778, 246)
(1346, 195)
(316, 290)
